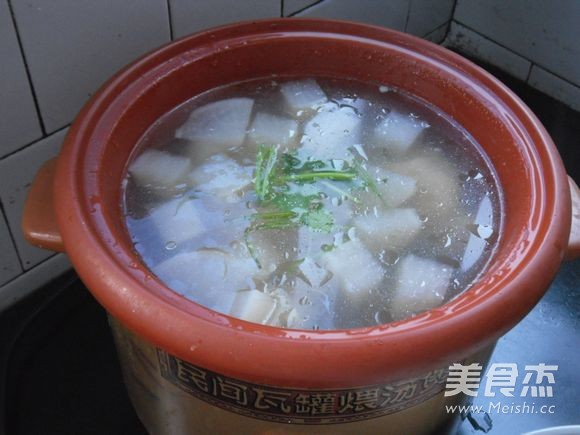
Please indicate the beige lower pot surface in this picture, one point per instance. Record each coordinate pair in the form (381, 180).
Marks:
(172, 396)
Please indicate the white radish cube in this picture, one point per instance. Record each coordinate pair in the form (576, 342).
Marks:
(482, 229)
(394, 188)
(303, 94)
(159, 169)
(221, 176)
(354, 267)
(312, 273)
(177, 221)
(269, 248)
(268, 129)
(438, 195)
(216, 126)
(283, 311)
(330, 134)
(253, 306)
(422, 284)
(357, 104)
(208, 277)
(310, 242)
(394, 228)
(312, 308)
(399, 132)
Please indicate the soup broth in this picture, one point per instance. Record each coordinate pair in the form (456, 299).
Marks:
(312, 204)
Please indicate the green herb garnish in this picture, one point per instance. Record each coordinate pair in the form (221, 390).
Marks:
(265, 170)
(318, 220)
(288, 190)
(367, 179)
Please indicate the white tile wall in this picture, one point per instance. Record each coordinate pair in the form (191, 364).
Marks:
(545, 32)
(16, 174)
(72, 47)
(9, 264)
(471, 42)
(191, 16)
(427, 15)
(535, 41)
(438, 35)
(391, 14)
(555, 86)
(61, 51)
(292, 6)
(33, 279)
(19, 123)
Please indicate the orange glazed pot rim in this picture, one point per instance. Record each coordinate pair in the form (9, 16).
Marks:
(98, 146)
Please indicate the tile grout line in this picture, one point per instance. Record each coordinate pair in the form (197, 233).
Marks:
(490, 40)
(446, 24)
(451, 19)
(409, 6)
(27, 69)
(305, 8)
(22, 148)
(170, 19)
(529, 72)
(25, 271)
(532, 63)
(20, 262)
(558, 76)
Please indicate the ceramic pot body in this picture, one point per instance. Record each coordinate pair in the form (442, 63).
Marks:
(173, 396)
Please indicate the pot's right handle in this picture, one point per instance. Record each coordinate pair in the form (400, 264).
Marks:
(573, 250)
(38, 219)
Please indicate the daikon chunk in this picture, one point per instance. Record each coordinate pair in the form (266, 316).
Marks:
(355, 267)
(209, 276)
(398, 132)
(216, 126)
(303, 307)
(330, 133)
(422, 284)
(177, 221)
(283, 312)
(253, 306)
(394, 188)
(359, 105)
(268, 129)
(438, 195)
(312, 273)
(268, 248)
(390, 229)
(303, 94)
(221, 176)
(310, 242)
(159, 169)
(312, 307)
(480, 231)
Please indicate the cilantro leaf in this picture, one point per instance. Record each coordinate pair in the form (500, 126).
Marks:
(318, 220)
(367, 179)
(265, 170)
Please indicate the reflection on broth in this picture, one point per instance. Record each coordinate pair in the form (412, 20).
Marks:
(312, 204)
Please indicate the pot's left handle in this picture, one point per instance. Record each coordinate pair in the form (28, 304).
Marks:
(39, 220)
(573, 250)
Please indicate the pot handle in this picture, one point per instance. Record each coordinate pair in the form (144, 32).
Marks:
(573, 250)
(38, 219)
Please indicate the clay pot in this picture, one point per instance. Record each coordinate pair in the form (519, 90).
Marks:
(192, 370)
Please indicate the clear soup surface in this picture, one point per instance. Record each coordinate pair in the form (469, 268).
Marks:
(312, 203)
